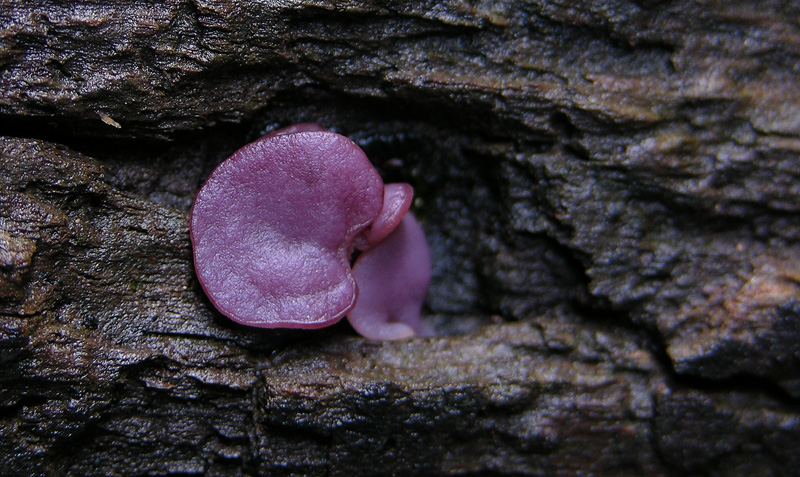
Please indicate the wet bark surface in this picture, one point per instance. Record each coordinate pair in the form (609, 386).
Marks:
(611, 192)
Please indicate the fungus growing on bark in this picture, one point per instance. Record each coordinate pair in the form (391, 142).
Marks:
(385, 311)
(275, 225)
(396, 202)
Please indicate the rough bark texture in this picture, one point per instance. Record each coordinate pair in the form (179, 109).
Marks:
(611, 191)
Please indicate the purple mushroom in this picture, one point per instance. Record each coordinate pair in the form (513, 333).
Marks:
(385, 311)
(396, 202)
(275, 225)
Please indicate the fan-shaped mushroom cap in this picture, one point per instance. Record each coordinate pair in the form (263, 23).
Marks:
(397, 200)
(274, 225)
(393, 279)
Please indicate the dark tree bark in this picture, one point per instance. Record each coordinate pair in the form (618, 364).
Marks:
(611, 192)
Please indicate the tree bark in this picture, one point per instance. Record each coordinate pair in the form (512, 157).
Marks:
(611, 192)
